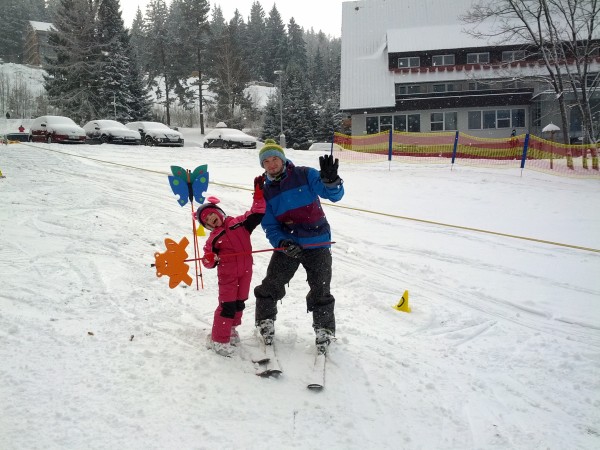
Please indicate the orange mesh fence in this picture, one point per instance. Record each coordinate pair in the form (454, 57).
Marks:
(525, 151)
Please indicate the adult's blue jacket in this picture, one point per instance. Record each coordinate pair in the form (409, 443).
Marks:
(294, 210)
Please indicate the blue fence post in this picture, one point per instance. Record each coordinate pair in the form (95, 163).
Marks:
(391, 140)
(454, 149)
(525, 148)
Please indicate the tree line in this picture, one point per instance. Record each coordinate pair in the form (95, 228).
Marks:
(186, 56)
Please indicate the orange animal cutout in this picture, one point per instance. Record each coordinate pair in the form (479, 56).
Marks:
(171, 263)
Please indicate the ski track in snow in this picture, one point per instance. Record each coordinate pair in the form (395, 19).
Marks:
(501, 349)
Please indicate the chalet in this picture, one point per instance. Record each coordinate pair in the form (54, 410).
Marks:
(36, 46)
(408, 65)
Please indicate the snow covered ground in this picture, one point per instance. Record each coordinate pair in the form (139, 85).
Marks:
(501, 349)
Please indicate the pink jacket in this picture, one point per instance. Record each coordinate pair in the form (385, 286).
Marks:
(234, 237)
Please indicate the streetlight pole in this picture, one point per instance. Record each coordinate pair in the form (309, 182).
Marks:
(281, 135)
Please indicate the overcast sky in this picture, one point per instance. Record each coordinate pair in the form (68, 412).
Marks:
(324, 15)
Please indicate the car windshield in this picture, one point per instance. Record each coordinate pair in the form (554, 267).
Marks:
(110, 123)
(58, 119)
(155, 125)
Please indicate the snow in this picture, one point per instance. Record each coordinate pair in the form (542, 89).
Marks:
(501, 349)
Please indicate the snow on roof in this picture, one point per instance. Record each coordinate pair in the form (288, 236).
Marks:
(40, 26)
(370, 26)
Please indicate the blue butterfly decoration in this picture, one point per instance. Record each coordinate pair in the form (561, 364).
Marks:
(189, 185)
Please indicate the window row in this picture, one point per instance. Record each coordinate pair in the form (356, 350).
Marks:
(457, 86)
(450, 59)
(448, 121)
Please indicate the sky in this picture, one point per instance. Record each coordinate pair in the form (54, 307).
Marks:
(324, 15)
(501, 348)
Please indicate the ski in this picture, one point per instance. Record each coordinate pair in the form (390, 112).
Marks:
(266, 363)
(317, 377)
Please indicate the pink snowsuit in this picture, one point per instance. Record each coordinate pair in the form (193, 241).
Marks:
(234, 272)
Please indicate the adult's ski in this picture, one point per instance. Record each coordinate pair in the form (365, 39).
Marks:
(317, 376)
(265, 362)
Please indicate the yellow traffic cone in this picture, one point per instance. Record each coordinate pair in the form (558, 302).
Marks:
(200, 231)
(1, 176)
(403, 303)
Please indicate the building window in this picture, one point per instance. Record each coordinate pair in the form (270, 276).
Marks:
(442, 60)
(443, 121)
(407, 122)
(413, 61)
(478, 58)
(592, 80)
(518, 118)
(445, 87)
(408, 89)
(479, 86)
(385, 123)
(414, 123)
(474, 120)
(536, 114)
(515, 55)
(372, 124)
(501, 118)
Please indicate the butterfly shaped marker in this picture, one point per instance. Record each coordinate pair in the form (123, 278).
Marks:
(188, 186)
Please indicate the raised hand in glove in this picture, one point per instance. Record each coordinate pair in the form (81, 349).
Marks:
(329, 168)
(259, 184)
(290, 248)
(209, 259)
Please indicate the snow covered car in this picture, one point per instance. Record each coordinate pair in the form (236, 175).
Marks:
(112, 132)
(229, 138)
(156, 133)
(55, 129)
(324, 147)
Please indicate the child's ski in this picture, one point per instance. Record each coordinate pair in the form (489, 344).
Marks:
(317, 377)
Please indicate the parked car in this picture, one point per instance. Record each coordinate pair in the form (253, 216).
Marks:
(324, 147)
(55, 129)
(229, 138)
(156, 133)
(111, 131)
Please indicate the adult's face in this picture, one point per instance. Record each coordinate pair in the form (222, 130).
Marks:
(273, 165)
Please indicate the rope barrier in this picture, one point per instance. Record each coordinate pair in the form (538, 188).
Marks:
(351, 208)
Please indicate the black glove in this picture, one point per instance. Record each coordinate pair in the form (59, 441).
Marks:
(329, 168)
(290, 248)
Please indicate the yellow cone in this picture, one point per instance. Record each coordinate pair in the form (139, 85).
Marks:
(200, 231)
(1, 176)
(403, 303)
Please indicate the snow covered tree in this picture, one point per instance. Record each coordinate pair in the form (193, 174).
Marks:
(16, 13)
(72, 80)
(296, 47)
(299, 117)
(563, 34)
(255, 47)
(196, 25)
(275, 45)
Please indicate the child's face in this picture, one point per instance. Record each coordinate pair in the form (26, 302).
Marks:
(213, 221)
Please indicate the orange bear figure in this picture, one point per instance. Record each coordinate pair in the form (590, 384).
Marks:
(172, 263)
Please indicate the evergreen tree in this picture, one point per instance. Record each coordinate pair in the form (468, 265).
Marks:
(195, 17)
(296, 48)
(231, 74)
(114, 72)
(299, 117)
(275, 45)
(71, 81)
(157, 58)
(255, 36)
(137, 38)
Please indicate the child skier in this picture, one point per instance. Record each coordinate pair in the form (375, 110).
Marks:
(230, 235)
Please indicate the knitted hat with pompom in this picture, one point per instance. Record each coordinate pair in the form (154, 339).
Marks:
(211, 207)
(271, 149)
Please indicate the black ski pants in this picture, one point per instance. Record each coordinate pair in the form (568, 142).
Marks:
(319, 301)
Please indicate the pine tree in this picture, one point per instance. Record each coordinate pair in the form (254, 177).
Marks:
(16, 14)
(255, 37)
(296, 47)
(195, 17)
(71, 81)
(299, 118)
(157, 61)
(275, 45)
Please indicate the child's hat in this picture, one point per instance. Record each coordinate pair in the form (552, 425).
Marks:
(271, 149)
(207, 208)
